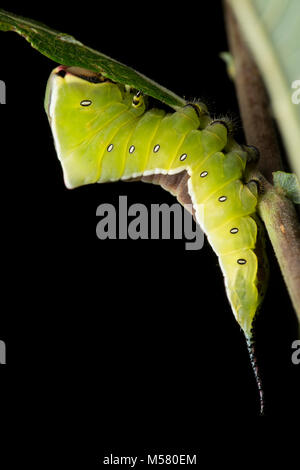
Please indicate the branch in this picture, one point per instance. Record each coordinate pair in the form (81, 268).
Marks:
(277, 212)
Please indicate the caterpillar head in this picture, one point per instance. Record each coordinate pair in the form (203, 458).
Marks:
(74, 101)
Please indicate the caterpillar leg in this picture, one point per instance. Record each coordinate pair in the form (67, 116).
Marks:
(200, 108)
(253, 187)
(252, 153)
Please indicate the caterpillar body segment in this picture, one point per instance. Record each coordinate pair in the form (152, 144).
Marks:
(104, 132)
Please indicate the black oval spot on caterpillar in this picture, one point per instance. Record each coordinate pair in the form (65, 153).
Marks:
(203, 174)
(110, 147)
(183, 157)
(234, 230)
(241, 261)
(85, 103)
(131, 149)
(156, 148)
(222, 198)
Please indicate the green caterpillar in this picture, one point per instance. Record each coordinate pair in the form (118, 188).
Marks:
(103, 132)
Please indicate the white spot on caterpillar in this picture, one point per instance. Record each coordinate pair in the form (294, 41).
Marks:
(156, 148)
(110, 147)
(203, 174)
(85, 103)
(222, 198)
(234, 230)
(131, 149)
(241, 261)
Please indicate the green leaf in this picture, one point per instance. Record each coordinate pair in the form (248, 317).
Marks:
(66, 50)
(271, 29)
(288, 184)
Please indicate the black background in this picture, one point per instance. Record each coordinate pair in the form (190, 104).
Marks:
(121, 335)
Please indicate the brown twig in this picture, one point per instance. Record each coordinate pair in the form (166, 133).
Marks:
(253, 100)
(277, 212)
